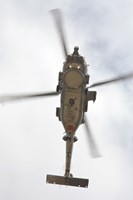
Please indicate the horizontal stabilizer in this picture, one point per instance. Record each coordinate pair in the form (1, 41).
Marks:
(62, 180)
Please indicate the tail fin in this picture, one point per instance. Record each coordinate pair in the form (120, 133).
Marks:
(70, 181)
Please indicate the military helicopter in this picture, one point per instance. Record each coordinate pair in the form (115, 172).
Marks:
(74, 94)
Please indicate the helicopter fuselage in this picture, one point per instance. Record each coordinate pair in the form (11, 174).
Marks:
(74, 99)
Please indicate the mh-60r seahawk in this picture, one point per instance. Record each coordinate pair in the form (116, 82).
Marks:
(72, 86)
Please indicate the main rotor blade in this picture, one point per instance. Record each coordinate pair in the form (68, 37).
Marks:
(8, 98)
(119, 78)
(93, 148)
(58, 20)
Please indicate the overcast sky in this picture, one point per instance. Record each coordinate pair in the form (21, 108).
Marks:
(31, 144)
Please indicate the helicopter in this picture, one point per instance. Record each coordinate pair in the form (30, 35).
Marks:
(74, 90)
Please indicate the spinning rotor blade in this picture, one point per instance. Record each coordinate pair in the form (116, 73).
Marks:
(58, 20)
(8, 98)
(119, 78)
(92, 144)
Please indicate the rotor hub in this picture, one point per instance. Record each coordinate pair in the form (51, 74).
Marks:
(76, 48)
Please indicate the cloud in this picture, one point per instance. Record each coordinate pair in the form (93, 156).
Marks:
(31, 136)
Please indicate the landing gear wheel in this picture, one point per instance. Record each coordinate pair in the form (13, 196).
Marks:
(58, 88)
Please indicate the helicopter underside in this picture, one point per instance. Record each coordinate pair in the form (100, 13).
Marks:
(72, 111)
(72, 100)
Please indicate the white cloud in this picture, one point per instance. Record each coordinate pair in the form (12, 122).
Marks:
(30, 58)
